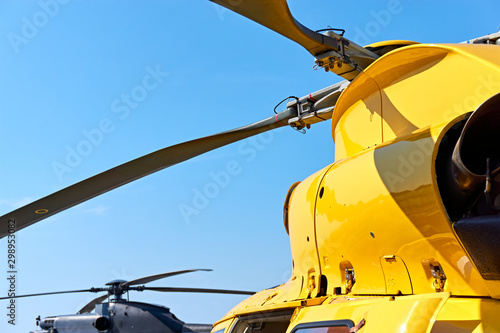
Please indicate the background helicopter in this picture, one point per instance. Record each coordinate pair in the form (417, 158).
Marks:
(120, 315)
(48, 101)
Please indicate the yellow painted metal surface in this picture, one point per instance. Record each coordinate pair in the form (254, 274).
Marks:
(460, 315)
(381, 314)
(361, 125)
(223, 326)
(391, 205)
(434, 313)
(285, 296)
(397, 279)
(418, 86)
(252, 306)
(306, 266)
(391, 42)
(373, 223)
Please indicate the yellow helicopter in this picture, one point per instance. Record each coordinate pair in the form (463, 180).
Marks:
(398, 233)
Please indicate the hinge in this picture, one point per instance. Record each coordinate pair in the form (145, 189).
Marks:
(331, 59)
(315, 107)
(493, 38)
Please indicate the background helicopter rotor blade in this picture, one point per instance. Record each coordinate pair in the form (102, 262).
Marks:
(91, 305)
(125, 286)
(199, 290)
(92, 290)
(133, 170)
(155, 277)
(275, 15)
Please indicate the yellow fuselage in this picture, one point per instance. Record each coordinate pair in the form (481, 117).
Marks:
(373, 223)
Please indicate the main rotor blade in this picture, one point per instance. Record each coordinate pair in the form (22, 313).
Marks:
(91, 305)
(330, 49)
(155, 277)
(133, 170)
(199, 290)
(275, 15)
(93, 290)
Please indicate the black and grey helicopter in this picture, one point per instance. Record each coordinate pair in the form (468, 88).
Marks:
(119, 315)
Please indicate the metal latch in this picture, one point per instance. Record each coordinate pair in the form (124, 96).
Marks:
(350, 279)
(438, 275)
(311, 284)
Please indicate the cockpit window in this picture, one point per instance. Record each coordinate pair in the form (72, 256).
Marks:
(276, 322)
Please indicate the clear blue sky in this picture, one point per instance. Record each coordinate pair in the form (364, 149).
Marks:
(66, 75)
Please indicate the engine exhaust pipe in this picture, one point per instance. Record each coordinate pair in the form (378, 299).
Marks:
(475, 160)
